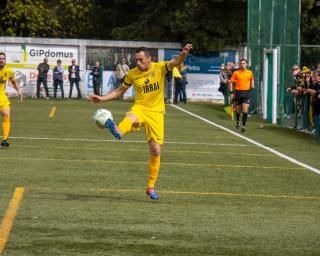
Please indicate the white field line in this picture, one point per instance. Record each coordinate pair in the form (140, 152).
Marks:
(251, 141)
(134, 141)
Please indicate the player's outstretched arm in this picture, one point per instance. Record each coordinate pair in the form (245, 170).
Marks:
(14, 84)
(181, 57)
(110, 96)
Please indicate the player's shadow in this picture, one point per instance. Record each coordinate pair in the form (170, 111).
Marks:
(109, 197)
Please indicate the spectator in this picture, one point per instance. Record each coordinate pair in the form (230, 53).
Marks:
(177, 83)
(184, 82)
(96, 73)
(74, 78)
(289, 102)
(121, 71)
(223, 88)
(58, 79)
(316, 104)
(43, 69)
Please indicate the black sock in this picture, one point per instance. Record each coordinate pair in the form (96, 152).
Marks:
(238, 117)
(244, 118)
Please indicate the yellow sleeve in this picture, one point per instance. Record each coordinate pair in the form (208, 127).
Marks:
(127, 82)
(164, 65)
(10, 74)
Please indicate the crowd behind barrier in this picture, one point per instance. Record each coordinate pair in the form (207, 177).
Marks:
(302, 99)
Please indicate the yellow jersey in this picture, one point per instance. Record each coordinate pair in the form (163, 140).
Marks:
(5, 75)
(242, 79)
(148, 86)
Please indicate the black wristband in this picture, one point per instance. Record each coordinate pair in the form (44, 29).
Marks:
(231, 92)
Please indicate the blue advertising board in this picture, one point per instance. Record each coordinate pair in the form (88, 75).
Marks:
(203, 64)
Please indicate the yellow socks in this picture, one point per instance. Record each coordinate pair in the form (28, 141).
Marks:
(5, 127)
(154, 167)
(125, 126)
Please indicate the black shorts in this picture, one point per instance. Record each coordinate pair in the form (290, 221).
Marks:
(242, 97)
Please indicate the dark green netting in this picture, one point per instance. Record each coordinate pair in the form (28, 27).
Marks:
(273, 24)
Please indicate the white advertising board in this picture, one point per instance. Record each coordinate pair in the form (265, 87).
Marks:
(203, 87)
(109, 83)
(29, 56)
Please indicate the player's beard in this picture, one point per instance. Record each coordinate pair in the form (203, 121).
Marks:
(2, 64)
(144, 67)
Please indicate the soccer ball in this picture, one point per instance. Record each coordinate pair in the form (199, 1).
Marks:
(101, 116)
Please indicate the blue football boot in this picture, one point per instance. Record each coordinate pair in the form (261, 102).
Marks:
(113, 128)
(152, 194)
(5, 143)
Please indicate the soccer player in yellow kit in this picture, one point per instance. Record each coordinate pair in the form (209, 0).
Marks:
(148, 109)
(6, 75)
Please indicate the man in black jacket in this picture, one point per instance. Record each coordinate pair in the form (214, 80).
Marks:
(74, 78)
(96, 73)
(43, 69)
(58, 79)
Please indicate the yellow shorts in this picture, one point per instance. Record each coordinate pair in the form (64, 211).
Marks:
(152, 121)
(4, 103)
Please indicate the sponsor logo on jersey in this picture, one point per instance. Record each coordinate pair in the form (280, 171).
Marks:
(151, 87)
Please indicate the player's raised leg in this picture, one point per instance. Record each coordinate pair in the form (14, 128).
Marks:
(126, 124)
(113, 128)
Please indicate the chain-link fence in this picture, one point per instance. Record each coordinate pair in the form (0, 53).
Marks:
(273, 25)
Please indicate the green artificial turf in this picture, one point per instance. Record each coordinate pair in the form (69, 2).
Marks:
(219, 194)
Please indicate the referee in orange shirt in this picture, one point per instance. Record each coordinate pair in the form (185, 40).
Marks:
(244, 82)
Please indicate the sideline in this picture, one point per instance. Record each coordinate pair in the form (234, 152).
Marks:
(9, 217)
(292, 160)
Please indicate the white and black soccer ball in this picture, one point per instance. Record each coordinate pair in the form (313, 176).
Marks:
(101, 116)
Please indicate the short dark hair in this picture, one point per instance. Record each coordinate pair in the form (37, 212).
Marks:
(58, 61)
(2, 53)
(244, 60)
(145, 50)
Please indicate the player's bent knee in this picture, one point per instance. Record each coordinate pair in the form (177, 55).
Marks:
(155, 148)
(133, 118)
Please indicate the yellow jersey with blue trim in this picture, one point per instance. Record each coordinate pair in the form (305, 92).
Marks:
(148, 86)
(5, 75)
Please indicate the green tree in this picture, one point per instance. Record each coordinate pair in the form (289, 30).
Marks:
(28, 18)
(38, 18)
(75, 17)
(209, 24)
(310, 22)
